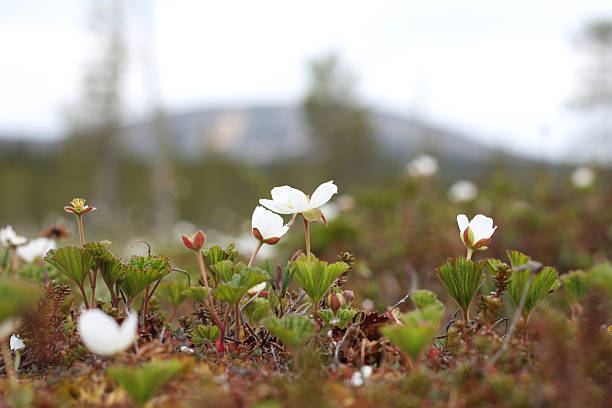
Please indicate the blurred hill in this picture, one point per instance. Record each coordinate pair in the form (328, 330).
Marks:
(261, 135)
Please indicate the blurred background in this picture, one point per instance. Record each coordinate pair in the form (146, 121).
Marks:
(172, 116)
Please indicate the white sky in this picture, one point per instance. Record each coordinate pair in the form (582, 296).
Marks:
(501, 70)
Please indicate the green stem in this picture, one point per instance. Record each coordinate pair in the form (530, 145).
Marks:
(470, 251)
(80, 218)
(15, 261)
(259, 245)
(307, 232)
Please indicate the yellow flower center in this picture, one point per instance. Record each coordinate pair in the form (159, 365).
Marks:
(78, 204)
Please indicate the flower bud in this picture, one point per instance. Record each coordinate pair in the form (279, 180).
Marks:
(196, 241)
(335, 302)
(348, 296)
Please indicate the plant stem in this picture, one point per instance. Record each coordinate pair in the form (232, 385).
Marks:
(307, 232)
(470, 251)
(93, 286)
(202, 269)
(80, 218)
(15, 261)
(237, 320)
(210, 304)
(84, 296)
(259, 245)
(8, 362)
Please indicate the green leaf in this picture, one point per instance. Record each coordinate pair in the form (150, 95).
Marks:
(16, 297)
(173, 292)
(461, 279)
(217, 254)
(517, 258)
(141, 383)
(343, 318)
(110, 267)
(316, 278)
(574, 283)
(417, 332)
(292, 330)
(72, 261)
(142, 271)
(258, 309)
(225, 269)
(233, 290)
(546, 281)
(204, 334)
(423, 298)
(199, 294)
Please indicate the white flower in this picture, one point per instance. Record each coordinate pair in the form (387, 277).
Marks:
(102, 335)
(462, 191)
(422, 166)
(476, 234)
(289, 200)
(583, 177)
(360, 376)
(187, 350)
(257, 288)
(267, 226)
(37, 248)
(8, 237)
(16, 343)
(245, 244)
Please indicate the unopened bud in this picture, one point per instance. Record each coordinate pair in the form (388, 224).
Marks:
(348, 296)
(335, 302)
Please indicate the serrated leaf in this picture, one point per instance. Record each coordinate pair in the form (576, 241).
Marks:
(423, 298)
(233, 290)
(110, 267)
(417, 332)
(199, 294)
(226, 269)
(217, 254)
(544, 282)
(258, 309)
(141, 383)
(316, 278)
(173, 292)
(574, 284)
(72, 261)
(292, 330)
(461, 278)
(142, 271)
(204, 334)
(517, 258)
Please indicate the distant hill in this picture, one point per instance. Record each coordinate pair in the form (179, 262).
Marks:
(271, 133)
(266, 134)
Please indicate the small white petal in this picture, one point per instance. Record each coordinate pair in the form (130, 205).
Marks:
(463, 222)
(16, 343)
(292, 197)
(188, 350)
(37, 248)
(277, 207)
(366, 371)
(482, 227)
(268, 224)
(357, 379)
(323, 194)
(102, 335)
(257, 288)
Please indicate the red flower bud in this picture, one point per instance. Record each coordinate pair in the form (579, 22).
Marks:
(196, 241)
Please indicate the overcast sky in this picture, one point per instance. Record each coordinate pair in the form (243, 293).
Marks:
(501, 71)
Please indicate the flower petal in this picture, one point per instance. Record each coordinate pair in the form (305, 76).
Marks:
(482, 227)
(277, 207)
(295, 198)
(102, 335)
(323, 194)
(463, 222)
